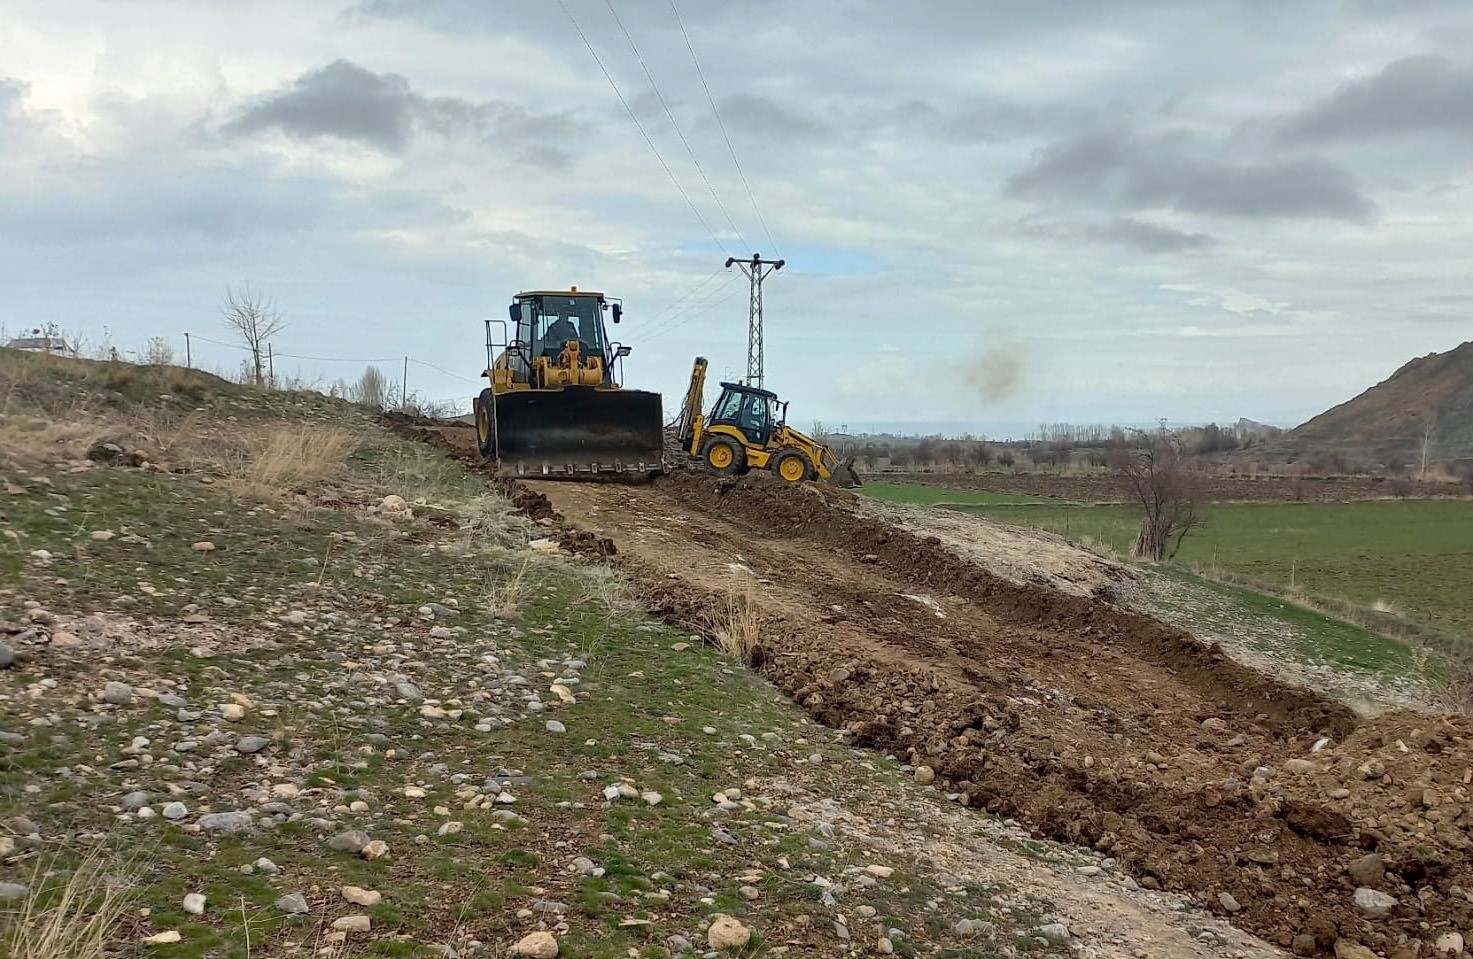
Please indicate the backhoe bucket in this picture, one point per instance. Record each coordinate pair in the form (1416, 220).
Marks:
(579, 431)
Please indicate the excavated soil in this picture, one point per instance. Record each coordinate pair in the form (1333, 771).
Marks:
(1084, 721)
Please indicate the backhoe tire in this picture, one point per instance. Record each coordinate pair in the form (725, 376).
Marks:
(791, 467)
(725, 457)
(485, 425)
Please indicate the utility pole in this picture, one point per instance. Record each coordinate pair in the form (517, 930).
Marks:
(270, 367)
(188, 355)
(757, 270)
(404, 387)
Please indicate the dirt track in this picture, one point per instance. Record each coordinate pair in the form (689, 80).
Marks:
(1084, 721)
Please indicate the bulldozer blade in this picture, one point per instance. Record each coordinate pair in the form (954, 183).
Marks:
(579, 432)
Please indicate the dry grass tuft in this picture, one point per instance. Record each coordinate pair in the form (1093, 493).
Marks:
(737, 625)
(271, 460)
(77, 920)
(300, 454)
(507, 590)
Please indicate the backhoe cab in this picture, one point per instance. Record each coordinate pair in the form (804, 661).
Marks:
(747, 429)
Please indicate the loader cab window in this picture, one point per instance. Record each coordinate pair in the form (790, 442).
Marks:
(554, 321)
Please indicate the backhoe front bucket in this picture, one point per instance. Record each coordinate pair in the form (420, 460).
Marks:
(579, 431)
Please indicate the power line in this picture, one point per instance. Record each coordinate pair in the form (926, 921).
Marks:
(681, 299)
(673, 319)
(629, 110)
(671, 117)
(720, 123)
(697, 312)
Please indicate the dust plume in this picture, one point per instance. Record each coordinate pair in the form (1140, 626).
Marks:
(997, 373)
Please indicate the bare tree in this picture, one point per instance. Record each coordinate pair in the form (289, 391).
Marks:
(1157, 481)
(254, 318)
(158, 352)
(372, 389)
(1429, 423)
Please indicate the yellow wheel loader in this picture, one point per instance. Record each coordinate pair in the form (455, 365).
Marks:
(554, 407)
(747, 429)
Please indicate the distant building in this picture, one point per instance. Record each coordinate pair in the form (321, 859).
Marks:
(40, 341)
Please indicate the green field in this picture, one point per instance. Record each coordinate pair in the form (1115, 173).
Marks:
(1412, 557)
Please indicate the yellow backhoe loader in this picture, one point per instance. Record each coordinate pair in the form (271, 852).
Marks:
(554, 407)
(747, 429)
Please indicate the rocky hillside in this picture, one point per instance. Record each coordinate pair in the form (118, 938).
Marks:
(1429, 400)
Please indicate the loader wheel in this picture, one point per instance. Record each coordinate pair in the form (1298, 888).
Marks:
(725, 457)
(792, 467)
(485, 435)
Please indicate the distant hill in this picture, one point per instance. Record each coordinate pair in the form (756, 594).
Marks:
(1390, 421)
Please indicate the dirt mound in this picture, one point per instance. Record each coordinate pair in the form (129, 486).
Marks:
(1087, 722)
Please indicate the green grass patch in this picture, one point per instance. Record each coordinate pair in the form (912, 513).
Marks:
(922, 495)
(1411, 559)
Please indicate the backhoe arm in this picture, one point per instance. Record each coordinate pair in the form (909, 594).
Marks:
(690, 410)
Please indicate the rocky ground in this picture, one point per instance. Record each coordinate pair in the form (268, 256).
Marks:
(362, 708)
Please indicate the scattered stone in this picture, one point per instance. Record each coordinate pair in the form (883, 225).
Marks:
(293, 904)
(974, 927)
(1055, 932)
(1374, 903)
(1450, 943)
(359, 896)
(727, 933)
(375, 849)
(1345, 949)
(163, 938)
(13, 890)
(880, 872)
(359, 923)
(226, 823)
(267, 866)
(204, 546)
(553, 726)
(7, 656)
(105, 453)
(1368, 870)
(925, 775)
(354, 841)
(194, 904)
(232, 712)
(651, 797)
(251, 744)
(1228, 902)
(118, 694)
(1299, 767)
(133, 801)
(537, 945)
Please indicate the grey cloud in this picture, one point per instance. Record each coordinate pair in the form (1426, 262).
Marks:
(349, 102)
(1412, 95)
(761, 116)
(1149, 237)
(1115, 168)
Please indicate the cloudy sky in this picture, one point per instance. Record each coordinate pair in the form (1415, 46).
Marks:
(993, 212)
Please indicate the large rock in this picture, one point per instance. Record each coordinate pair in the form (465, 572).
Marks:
(118, 694)
(1346, 949)
(13, 890)
(251, 744)
(354, 841)
(727, 933)
(293, 904)
(1450, 943)
(1368, 870)
(537, 945)
(1374, 903)
(226, 823)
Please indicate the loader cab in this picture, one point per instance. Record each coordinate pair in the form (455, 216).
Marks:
(753, 411)
(545, 321)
